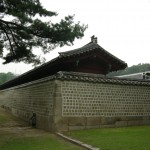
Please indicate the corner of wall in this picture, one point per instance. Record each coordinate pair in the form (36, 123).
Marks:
(59, 122)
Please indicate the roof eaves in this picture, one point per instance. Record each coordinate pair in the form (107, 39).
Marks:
(86, 48)
(29, 72)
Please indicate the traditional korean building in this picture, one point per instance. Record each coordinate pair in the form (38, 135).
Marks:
(90, 58)
(71, 92)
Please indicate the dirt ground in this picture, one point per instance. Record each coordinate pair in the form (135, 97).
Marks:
(13, 129)
(11, 125)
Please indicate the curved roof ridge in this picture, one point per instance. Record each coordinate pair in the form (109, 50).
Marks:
(74, 51)
(44, 69)
(88, 47)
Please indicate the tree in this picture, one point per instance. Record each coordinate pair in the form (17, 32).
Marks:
(4, 77)
(130, 70)
(25, 31)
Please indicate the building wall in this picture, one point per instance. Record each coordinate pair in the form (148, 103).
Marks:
(89, 105)
(37, 97)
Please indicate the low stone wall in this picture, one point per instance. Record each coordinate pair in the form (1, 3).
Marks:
(96, 105)
(36, 97)
(69, 101)
(109, 100)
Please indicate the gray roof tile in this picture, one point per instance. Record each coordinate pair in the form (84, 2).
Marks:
(88, 77)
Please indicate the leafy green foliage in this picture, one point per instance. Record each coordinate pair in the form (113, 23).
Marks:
(6, 77)
(130, 70)
(25, 31)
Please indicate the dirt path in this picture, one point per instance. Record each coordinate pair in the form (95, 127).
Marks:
(13, 131)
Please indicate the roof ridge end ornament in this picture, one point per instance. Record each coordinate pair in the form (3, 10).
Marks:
(60, 74)
(94, 39)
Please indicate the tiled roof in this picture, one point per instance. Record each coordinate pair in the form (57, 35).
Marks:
(86, 48)
(53, 66)
(88, 77)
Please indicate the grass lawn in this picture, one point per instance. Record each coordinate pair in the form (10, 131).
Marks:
(129, 138)
(50, 142)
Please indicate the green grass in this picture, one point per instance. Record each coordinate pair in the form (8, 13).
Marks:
(35, 143)
(130, 138)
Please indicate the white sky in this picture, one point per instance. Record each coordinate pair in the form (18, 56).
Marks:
(122, 28)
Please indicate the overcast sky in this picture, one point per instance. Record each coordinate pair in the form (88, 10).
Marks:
(121, 26)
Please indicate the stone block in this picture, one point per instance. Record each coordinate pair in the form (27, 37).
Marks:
(134, 122)
(93, 121)
(146, 118)
(107, 120)
(77, 121)
(61, 120)
(92, 127)
(107, 126)
(124, 118)
(145, 122)
(121, 124)
(61, 123)
(76, 128)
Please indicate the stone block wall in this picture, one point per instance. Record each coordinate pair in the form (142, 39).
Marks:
(62, 104)
(37, 97)
(92, 105)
